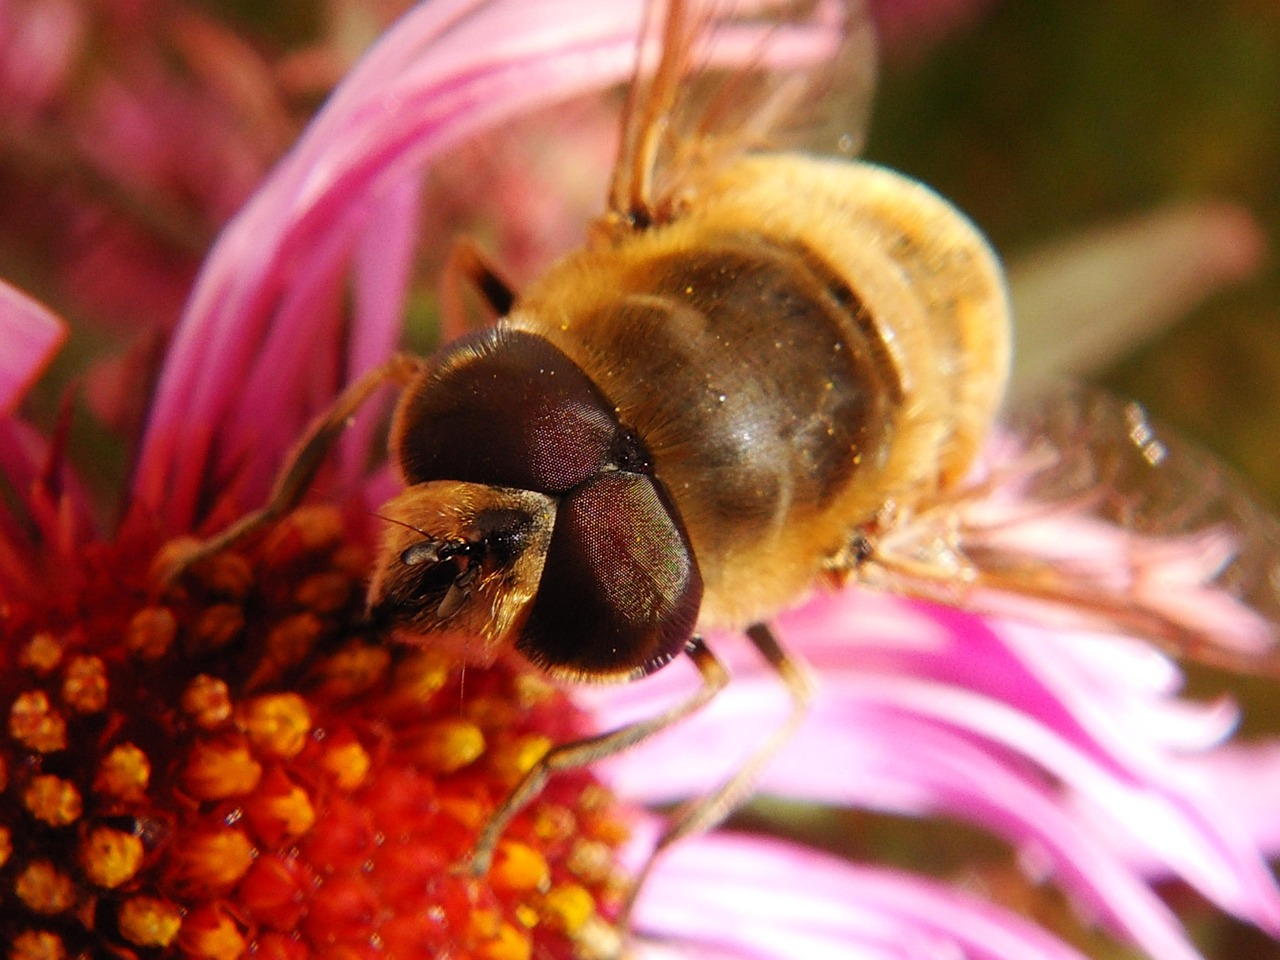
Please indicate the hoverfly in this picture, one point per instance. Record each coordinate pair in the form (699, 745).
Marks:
(766, 371)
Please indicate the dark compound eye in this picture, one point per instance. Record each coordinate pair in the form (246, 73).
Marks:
(510, 410)
(620, 591)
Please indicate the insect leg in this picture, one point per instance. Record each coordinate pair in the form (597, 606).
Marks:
(703, 813)
(301, 465)
(467, 263)
(590, 749)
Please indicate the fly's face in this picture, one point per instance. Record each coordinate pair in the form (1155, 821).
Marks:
(532, 518)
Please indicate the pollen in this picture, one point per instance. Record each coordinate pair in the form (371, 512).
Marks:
(277, 725)
(53, 800)
(124, 773)
(219, 769)
(151, 632)
(217, 626)
(307, 530)
(230, 762)
(507, 943)
(450, 745)
(420, 676)
(149, 922)
(35, 724)
(347, 763)
(281, 811)
(44, 888)
(84, 684)
(519, 867)
(569, 907)
(326, 592)
(37, 945)
(288, 644)
(227, 575)
(533, 690)
(214, 860)
(513, 760)
(210, 933)
(110, 857)
(207, 701)
(42, 653)
(354, 670)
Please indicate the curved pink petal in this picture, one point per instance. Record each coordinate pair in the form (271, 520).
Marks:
(277, 273)
(1039, 736)
(726, 896)
(38, 42)
(1089, 298)
(30, 334)
(1246, 777)
(267, 311)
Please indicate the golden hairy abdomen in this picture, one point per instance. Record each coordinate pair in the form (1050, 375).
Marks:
(810, 341)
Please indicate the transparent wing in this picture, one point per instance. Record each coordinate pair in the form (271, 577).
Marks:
(717, 77)
(1087, 515)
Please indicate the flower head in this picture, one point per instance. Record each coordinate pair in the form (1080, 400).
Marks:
(230, 766)
(239, 764)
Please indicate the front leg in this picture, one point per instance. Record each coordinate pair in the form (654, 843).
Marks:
(468, 266)
(703, 813)
(579, 753)
(300, 467)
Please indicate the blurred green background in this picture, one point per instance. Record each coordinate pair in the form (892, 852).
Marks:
(1043, 118)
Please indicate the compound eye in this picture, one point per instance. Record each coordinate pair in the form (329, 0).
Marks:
(506, 409)
(620, 591)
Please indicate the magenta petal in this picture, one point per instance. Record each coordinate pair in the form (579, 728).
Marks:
(384, 263)
(728, 896)
(1061, 743)
(1246, 778)
(265, 326)
(30, 334)
(271, 292)
(38, 44)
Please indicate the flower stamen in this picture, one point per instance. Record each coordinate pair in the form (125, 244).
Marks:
(237, 764)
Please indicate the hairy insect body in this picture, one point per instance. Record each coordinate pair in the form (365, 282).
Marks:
(814, 339)
(684, 427)
(763, 372)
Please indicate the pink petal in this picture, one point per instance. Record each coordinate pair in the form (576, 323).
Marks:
(907, 28)
(1037, 736)
(276, 277)
(38, 43)
(1247, 779)
(429, 83)
(30, 334)
(383, 272)
(730, 896)
(1088, 299)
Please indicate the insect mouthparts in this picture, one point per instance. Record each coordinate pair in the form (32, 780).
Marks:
(420, 553)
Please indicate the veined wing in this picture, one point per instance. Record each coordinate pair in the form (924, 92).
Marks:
(715, 78)
(1087, 515)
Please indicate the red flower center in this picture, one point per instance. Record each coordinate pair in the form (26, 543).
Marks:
(237, 765)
